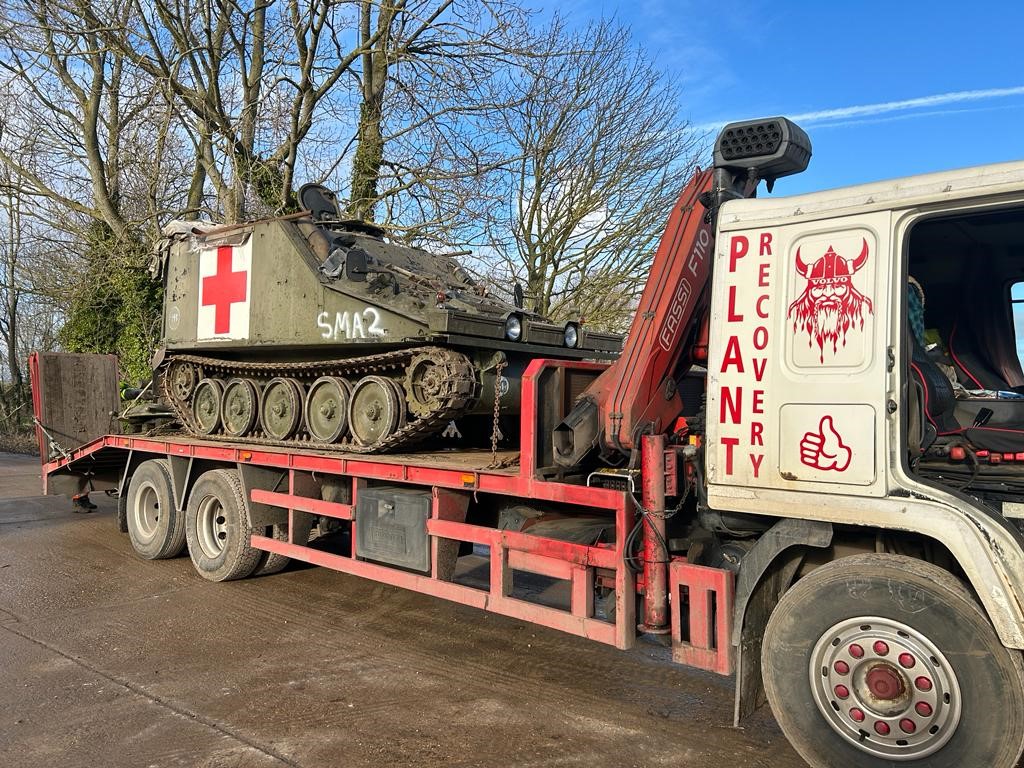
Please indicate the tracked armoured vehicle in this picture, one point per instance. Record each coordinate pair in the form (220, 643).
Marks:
(314, 330)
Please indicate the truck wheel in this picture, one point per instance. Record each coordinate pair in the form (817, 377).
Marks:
(272, 562)
(218, 529)
(875, 660)
(156, 529)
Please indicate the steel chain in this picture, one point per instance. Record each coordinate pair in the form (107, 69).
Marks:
(501, 365)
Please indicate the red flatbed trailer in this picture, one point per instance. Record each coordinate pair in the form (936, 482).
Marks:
(701, 598)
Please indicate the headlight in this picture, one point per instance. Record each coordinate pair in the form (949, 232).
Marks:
(572, 335)
(513, 328)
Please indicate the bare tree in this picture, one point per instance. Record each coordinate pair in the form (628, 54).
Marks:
(27, 314)
(602, 155)
(427, 85)
(11, 287)
(247, 80)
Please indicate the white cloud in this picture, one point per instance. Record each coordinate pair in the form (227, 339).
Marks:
(840, 115)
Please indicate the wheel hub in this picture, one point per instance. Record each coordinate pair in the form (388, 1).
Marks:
(211, 526)
(885, 688)
(146, 511)
(885, 683)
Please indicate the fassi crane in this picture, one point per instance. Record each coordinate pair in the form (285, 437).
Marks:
(638, 393)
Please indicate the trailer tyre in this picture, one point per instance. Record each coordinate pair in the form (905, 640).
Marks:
(879, 660)
(155, 528)
(218, 528)
(272, 562)
(122, 511)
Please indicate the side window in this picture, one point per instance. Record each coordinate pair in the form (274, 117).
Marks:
(1017, 304)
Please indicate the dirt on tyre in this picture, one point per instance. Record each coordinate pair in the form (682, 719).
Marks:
(882, 660)
(218, 528)
(156, 529)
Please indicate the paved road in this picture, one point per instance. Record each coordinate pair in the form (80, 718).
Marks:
(107, 660)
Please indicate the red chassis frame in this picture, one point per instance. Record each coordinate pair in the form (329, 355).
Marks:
(700, 598)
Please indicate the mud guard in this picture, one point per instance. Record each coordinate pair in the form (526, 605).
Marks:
(765, 573)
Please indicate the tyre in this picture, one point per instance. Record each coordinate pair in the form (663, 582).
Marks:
(272, 562)
(155, 527)
(881, 660)
(122, 511)
(218, 529)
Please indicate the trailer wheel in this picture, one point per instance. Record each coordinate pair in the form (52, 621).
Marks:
(874, 660)
(218, 528)
(155, 527)
(272, 562)
(122, 511)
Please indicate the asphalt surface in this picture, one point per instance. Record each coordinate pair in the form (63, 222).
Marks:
(108, 660)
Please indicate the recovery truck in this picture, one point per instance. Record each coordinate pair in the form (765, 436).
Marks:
(805, 469)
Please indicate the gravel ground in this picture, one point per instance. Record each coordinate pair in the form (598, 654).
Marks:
(108, 660)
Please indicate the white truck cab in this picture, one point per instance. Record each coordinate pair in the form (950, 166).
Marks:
(864, 372)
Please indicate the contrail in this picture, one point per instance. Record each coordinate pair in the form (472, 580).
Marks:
(899, 106)
(885, 107)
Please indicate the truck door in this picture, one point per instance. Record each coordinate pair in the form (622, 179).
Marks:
(797, 375)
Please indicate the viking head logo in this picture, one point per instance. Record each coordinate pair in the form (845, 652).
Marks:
(830, 304)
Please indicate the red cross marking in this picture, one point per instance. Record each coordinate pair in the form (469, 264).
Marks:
(223, 289)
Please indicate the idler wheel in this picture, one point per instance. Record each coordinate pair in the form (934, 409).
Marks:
(239, 407)
(281, 408)
(424, 384)
(206, 405)
(327, 408)
(375, 411)
(183, 379)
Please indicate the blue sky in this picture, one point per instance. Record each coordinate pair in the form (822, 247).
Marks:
(740, 59)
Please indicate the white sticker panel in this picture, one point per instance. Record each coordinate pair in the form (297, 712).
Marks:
(225, 291)
(827, 443)
(830, 310)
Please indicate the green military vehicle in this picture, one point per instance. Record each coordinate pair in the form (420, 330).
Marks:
(309, 329)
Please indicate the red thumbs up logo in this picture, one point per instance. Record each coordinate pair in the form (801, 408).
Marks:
(825, 448)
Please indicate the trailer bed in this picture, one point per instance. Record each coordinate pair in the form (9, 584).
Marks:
(293, 492)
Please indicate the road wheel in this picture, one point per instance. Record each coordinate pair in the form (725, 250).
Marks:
(218, 529)
(877, 660)
(375, 410)
(272, 562)
(206, 405)
(281, 408)
(239, 407)
(155, 527)
(326, 409)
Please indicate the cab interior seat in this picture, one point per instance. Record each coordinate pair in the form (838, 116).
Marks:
(966, 265)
